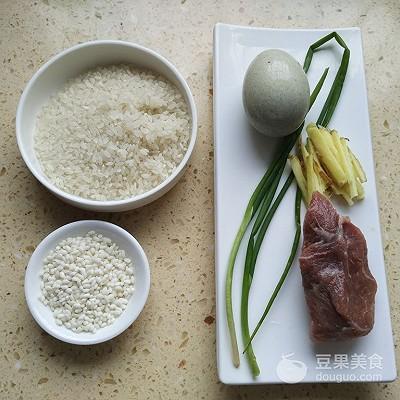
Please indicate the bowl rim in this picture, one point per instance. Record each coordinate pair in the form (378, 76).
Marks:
(96, 338)
(107, 203)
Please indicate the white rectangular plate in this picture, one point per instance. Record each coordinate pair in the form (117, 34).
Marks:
(282, 346)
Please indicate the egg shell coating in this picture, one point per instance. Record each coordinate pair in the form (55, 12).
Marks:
(276, 93)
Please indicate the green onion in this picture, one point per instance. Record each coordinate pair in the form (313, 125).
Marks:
(324, 118)
(287, 267)
(336, 89)
(253, 249)
(252, 207)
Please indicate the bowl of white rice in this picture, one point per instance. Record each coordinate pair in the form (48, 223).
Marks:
(87, 282)
(107, 125)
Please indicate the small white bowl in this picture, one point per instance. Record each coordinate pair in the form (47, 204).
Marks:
(53, 75)
(44, 316)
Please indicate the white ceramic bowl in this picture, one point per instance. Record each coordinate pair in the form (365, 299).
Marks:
(72, 62)
(44, 316)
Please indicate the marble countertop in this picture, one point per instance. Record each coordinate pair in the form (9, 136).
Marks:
(169, 353)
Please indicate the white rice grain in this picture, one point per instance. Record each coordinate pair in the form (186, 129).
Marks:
(112, 133)
(86, 281)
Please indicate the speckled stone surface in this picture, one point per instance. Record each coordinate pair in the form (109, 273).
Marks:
(169, 353)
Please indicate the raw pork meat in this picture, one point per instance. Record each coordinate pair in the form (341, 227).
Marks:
(338, 285)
